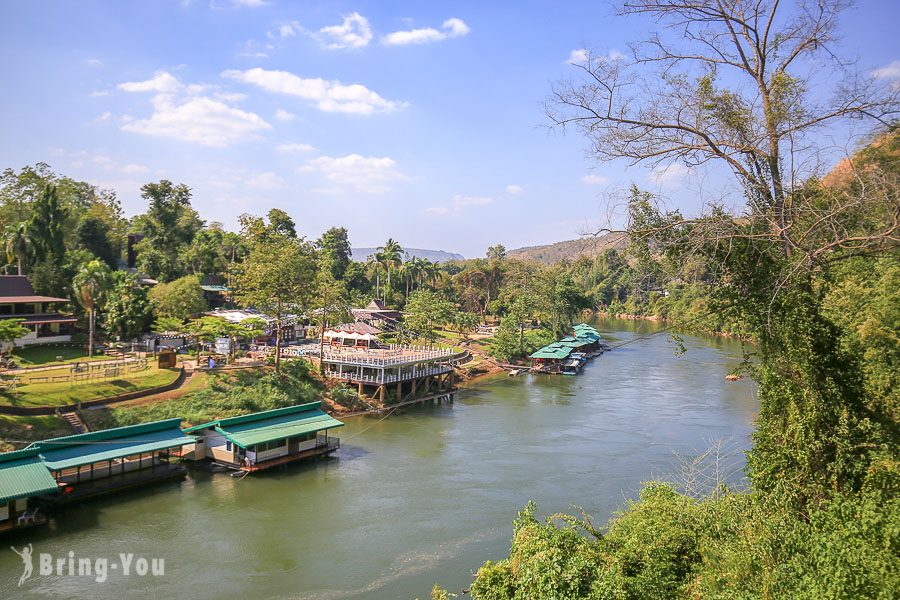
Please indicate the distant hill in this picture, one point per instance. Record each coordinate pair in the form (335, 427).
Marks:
(571, 249)
(360, 254)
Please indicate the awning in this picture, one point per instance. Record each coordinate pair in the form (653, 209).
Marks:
(22, 475)
(111, 444)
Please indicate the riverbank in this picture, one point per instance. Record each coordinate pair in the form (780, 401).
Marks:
(680, 327)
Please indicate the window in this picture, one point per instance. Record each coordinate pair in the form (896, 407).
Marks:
(228, 446)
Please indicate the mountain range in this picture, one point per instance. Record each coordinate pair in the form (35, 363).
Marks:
(360, 254)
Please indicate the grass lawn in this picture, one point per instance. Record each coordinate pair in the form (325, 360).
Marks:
(56, 394)
(33, 356)
(17, 432)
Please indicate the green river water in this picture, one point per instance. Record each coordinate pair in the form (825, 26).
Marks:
(423, 496)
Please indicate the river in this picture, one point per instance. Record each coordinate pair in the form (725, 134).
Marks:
(423, 496)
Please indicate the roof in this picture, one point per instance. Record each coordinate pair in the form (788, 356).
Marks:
(362, 328)
(109, 444)
(376, 304)
(22, 475)
(272, 425)
(17, 288)
(215, 288)
(552, 351)
(47, 318)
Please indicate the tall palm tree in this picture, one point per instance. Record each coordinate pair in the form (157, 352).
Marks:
(18, 240)
(373, 262)
(91, 283)
(390, 258)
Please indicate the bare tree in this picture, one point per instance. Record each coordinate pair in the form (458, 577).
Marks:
(739, 83)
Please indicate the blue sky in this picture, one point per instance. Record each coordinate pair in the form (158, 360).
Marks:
(414, 120)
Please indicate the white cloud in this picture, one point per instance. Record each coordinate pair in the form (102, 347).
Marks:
(195, 118)
(287, 30)
(578, 57)
(162, 82)
(98, 93)
(595, 180)
(200, 119)
(230, 96)
(328, 96)
(283, 115)
(514, 189)
(265, 181)
(294, 148)
(450, 28)
(670, 175)
(249, 3)
(354, 32)
(889, 71)
(370, 174)
(459, 203)
(134, 168)
(93, 62)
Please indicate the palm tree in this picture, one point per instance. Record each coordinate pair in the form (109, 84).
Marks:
(91, 283)
(390, 257)
(373, 263)
(18, 240)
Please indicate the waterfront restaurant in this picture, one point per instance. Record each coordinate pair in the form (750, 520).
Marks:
(22, 477)
(98, 462)
(265, 439)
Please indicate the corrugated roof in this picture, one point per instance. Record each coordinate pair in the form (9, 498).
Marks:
(22, 475)
(109, 444)
(272, 425)
(552, 351)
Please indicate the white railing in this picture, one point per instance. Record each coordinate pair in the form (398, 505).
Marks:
(387, 377)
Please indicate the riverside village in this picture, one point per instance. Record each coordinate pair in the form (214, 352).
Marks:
(450, 300)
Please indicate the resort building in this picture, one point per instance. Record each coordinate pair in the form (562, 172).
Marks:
(352, 335)
(265, 439)
(23, 477)
(377, 314)
(98, 462)
(399, 371)
(39, 314)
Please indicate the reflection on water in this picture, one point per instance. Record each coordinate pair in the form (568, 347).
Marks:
(424, 496)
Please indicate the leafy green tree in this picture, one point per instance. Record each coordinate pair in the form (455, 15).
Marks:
(167, 325)
(277, 278)
(281, 223)
(11, 330)
(168, 226)
(47, 226)
(95, 235)
(91, 284)
(496, 252)
(181, 299)
(335, 245)
(127, 307)
(332, 302)
(425, 311)
(205, 330)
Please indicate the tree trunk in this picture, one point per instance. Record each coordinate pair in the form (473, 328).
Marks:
(90, 332)
(278, 346)
(20, 260)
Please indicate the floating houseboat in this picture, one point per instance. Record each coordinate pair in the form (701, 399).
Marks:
(568, 355)
(266, 439)
(99, 462)
(23, 477)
